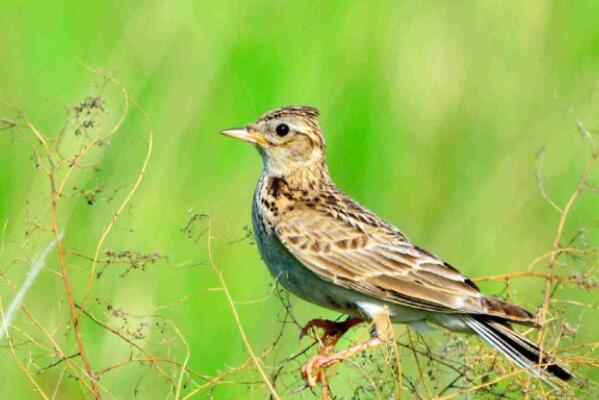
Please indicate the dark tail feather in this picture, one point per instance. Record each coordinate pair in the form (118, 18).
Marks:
(517, 348)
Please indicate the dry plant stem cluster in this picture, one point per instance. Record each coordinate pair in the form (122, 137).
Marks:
(50, 162)
(59, 169)
(564, 213)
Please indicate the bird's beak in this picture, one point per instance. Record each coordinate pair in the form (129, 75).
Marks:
(245, 135)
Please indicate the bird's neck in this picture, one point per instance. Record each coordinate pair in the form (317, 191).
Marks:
(309, 176)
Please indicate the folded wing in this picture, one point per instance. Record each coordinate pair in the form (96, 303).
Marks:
(351, 247)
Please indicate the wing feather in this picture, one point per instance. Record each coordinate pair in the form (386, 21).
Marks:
(355, 249)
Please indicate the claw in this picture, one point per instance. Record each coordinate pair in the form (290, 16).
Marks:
(324, 361)
(304, 331)
(313, 371)
(315, 364)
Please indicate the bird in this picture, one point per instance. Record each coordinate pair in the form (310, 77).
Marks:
(326, 248)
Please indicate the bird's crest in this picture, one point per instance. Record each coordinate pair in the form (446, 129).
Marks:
(300, 111)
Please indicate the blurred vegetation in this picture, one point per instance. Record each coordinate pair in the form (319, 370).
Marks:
(436, 115)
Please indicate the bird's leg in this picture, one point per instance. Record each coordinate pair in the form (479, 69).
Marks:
(333, 331)
(324, 360)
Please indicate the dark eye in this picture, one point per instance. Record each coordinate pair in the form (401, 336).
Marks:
(282, 129)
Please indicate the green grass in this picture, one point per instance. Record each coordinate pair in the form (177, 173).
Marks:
(433, 113)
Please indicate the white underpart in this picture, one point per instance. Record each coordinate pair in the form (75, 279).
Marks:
(500, 345)
(373, 310)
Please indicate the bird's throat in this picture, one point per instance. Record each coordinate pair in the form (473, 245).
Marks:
(309, 176)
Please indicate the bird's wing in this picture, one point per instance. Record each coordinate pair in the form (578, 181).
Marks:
(353, 248)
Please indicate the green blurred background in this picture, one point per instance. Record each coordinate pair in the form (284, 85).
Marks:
(433, 112)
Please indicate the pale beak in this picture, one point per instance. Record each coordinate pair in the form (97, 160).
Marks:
(245, 135)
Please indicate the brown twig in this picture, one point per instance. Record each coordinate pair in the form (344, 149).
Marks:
(231, 302)
(69, 291)
(556, 245)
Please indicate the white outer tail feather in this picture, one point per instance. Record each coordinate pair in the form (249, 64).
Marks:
(498, 343)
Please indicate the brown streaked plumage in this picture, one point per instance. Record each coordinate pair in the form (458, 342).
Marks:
(328, 249)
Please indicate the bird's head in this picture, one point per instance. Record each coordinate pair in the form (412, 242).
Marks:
(288, 139)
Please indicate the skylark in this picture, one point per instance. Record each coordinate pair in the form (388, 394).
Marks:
(326, 248)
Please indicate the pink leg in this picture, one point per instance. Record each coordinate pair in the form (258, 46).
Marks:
(333, 330)
(323, 361)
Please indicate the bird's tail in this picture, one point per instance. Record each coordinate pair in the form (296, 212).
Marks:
(517, 348)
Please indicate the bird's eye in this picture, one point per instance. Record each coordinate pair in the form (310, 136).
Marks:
(282, 129)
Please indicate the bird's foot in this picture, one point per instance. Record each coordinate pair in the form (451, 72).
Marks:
(313, 370)
(333, 331)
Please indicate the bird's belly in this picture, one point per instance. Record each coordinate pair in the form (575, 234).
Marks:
(297, 278)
